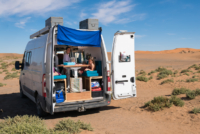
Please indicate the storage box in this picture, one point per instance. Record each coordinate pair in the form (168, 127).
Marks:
(76, 85)
(96, 89)
(60, 96)
(78, 96)
(97, 94)
(91, 24)
(54, 21)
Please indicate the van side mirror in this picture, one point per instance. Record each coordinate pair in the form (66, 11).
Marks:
(18, 65)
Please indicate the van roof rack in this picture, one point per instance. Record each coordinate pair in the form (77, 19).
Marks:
(40, 32)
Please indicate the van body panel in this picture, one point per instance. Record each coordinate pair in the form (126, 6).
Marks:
(123, 70)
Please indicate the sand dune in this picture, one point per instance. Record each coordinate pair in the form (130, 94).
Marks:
(177, 50)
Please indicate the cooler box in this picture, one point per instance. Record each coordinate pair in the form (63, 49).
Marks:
(96, 89)
(76, 85)
(59, 96)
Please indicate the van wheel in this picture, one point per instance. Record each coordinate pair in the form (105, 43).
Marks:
(21, 92)
(40, 111)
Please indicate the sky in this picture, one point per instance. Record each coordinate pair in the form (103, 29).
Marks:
(158, 24)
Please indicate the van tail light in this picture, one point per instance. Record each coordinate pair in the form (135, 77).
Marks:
(44, 86)
(108, 80)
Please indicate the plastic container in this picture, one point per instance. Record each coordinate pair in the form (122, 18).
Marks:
(97, 94)
(95, 84)
(59, 96)
(69, 63)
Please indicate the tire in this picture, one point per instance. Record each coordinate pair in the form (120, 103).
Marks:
(21, 92)
(40, 111)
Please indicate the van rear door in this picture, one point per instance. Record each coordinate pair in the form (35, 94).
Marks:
(123, 66)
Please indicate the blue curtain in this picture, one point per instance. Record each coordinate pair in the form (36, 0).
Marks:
(72, 37)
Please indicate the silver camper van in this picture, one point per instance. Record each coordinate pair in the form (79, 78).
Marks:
(69, 91)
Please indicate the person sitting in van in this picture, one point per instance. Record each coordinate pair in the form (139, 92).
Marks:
(55, 72)
(66, 57)
(91, 66)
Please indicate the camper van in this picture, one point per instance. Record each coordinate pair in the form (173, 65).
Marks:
(68, 90)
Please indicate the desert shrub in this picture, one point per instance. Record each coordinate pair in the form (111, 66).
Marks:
(194, 76)
(164, 74)
(142, 78)
(151, 77)
(4, 65)
(193, 66)
(142, 72)
(178, 91)
(198, 71)
(196, 110)
(160, 69)
(186, 74)
(191, 94)
(152, 72)
(23, 125)
(1, 84)
(72, 127)
(197, 92)
(158, 103)
(11, 63)
(5, 70)
(167, 81)
(176, 71)
(192, 80)
(13, 69)
(0, 72)
(185, 71)
(177, 101)
(11, 76)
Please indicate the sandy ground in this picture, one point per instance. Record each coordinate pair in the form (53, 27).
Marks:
(126, 116)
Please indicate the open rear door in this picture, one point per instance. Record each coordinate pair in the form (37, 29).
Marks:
(123, 65)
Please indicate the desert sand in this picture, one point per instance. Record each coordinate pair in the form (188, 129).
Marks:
(125, 116)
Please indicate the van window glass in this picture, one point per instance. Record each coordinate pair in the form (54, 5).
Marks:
(124, 57)
(27, 59)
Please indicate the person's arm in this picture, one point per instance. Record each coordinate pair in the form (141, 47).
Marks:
(92, 68)
(64, 58)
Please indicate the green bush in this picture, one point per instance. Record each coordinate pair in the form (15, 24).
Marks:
(13, 69)
(142, 72)
(23, 125)
(1, 84)
(196, 110)
(4, 65)
(152, 72)
(142, 78)
(192, 80)
(5, 70)
(151, 77)
(160, 69)
(191, 94)
(193, 66)
(178, 91)
(177, 101)
(197, 92)
(185, 71)
(71, 126)
(164, 74)
(11, 76)
(158, 103)
(34, 125)
(186, 74)
(167, 81)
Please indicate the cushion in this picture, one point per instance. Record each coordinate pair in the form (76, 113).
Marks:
(56, 77)
(90, 75)
(91, 72)
(98, 67)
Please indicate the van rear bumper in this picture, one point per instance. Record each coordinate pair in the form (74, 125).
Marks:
(86, 105)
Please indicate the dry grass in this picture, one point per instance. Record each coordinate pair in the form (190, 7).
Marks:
(192, 80)
(1, 84)
(11, 76)
(178, 91)
(196, 110)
